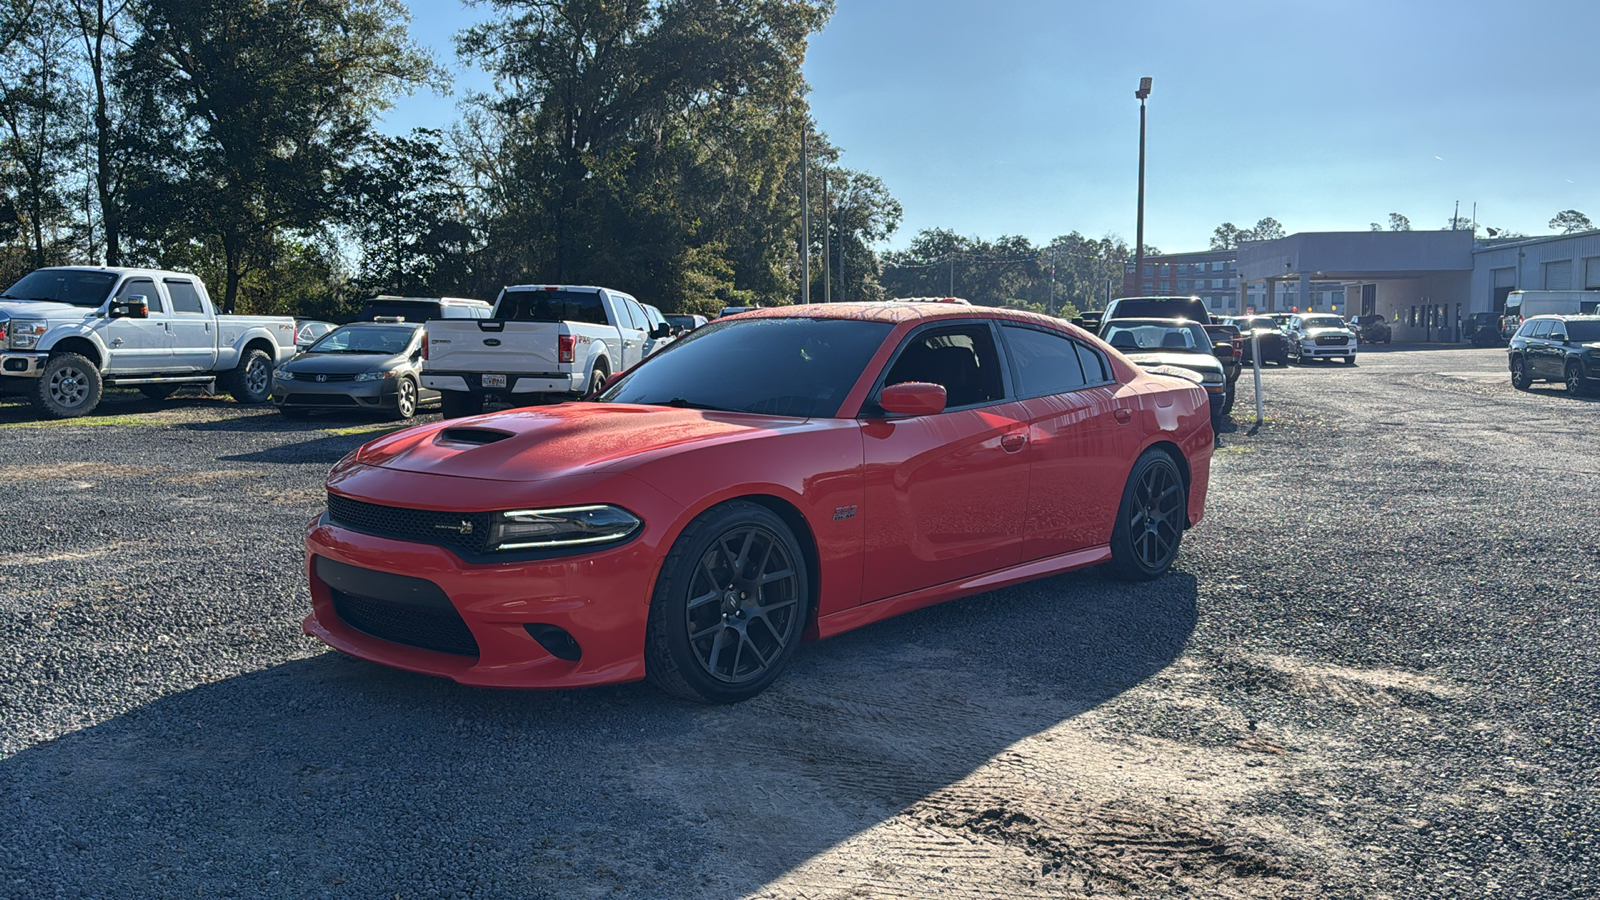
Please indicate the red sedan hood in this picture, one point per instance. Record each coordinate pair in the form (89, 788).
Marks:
(557, 441)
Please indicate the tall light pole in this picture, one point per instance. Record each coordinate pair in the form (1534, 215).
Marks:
(1138, 250)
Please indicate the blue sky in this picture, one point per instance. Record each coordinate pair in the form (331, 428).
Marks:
(1018, 116)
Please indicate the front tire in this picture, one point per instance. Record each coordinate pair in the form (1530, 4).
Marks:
(729, 607)
(456, 404)
(405, 400)
(69, 387)
(1520, 379)
(1150, 520)
(1576, 385)
(251, 381)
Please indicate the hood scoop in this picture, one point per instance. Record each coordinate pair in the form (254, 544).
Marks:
(476, 437)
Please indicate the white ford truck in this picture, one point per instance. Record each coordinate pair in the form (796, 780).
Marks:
(542, 342)
(67, 333)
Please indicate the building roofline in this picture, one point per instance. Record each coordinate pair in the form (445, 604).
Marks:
(1525, 242)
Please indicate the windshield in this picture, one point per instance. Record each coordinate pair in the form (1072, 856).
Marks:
(1253, 324)
(779, 367)
(1583, 332)
(1323, 322)
(551, 306)
(404, 310)
(63, 286)
(368, 339)
(1157, 337)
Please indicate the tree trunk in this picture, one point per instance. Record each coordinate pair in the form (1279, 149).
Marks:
(233, 254)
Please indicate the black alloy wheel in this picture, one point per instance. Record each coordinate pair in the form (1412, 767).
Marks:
(1520, 379)
(1150, 520)
(729, 607)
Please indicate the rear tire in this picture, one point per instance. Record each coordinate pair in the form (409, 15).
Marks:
(1520, 379)
(1150, 520)
(69, 387)
(251, 380)
(456, 404)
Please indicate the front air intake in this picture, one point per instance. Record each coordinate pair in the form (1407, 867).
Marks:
(474, 436)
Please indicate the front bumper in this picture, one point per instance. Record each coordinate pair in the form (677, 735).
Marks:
(600, 599)
(22, 363)
(336, 394)
(1316, 351)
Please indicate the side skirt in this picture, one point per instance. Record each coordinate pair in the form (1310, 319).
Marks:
(879, 610)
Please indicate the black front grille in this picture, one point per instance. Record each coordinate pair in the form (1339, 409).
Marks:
(319, 400)
(467, 532)
(398, 608)
(1331, 340)
(429, 629)
(321, 377)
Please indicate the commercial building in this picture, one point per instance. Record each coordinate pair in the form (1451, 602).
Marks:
(1213, 275)
(1569, 262)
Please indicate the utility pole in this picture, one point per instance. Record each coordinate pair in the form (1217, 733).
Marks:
(952, 275)
(1138, 251)
(827, 238)
(805, 217)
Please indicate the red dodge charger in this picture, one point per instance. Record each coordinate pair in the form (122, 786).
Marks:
(792, 472)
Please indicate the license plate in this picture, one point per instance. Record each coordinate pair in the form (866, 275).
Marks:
(493, 381)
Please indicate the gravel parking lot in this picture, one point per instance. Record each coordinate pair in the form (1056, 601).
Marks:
(1371, 674)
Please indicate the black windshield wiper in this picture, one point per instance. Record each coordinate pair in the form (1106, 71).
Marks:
(680, 403)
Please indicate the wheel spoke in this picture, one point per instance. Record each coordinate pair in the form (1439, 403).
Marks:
(703, 599)
(775, 576)
(756, 650)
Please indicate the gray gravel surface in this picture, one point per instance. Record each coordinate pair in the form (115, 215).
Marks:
(1372, 674)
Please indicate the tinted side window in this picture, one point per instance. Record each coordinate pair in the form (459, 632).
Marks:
(1045, 363)
(639, 321)
(961, 359)
(1094, 365)
(145, 288)
(1541, 328)
(185, 299)
(1558, 330)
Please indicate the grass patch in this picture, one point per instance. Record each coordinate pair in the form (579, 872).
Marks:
(377, 429)
(85, 422)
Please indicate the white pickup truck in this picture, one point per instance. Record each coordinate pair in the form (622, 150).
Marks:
(67, 333)
(542, 342)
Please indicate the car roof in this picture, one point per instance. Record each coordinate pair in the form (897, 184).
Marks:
(1150, 320)
(895, 313)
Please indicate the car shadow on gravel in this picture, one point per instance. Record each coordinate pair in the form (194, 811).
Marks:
(326, 775)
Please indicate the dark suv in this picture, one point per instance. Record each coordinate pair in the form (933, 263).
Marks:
(1191, 308)
(1556, 348)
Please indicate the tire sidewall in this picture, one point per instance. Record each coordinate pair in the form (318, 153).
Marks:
(93, 386)
(240, 389)
(401, 411)
(1125, 563)
(667, 646)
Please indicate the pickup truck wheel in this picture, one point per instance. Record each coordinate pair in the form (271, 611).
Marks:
(251, 382)
(455, 404)
(597, 380)
(405, 400)
(158, 391)
(69, 386)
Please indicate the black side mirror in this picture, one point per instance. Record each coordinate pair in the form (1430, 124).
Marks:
(661, 331)
(135, 307)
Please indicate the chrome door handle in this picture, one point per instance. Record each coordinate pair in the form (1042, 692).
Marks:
(116, 342)
(1011, 443)
(1123, 414)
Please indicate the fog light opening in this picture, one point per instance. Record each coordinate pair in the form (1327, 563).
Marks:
(556, 641)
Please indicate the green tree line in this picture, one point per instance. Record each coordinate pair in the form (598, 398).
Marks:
(649, 145)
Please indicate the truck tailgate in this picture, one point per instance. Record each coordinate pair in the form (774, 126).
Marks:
(492, 345)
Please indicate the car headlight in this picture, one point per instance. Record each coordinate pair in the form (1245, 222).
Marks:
(26, 334)
(1210, 377)
(281, 375)
(375, 376)
(572, 526)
